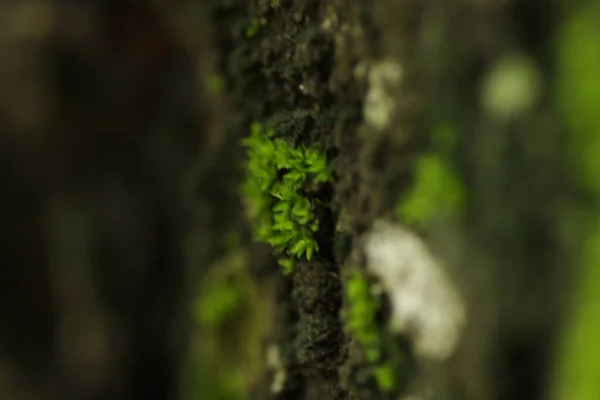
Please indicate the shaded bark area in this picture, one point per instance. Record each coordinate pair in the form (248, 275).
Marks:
(95, 216)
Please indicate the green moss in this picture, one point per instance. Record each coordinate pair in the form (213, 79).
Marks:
(279, 180)
(360, 318)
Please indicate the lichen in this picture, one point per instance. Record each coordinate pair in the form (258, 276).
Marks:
(384, 76)
(425, 305)
(360, 318)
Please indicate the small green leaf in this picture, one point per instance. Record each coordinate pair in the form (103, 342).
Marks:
(300, 211)
(283, 226)
(303, 220)
(312, 247)
(309, 253)
(295, 176)
(277, 240)
(279, 249)
(299, 247)
(287, 264)
(279, 218)
(317, 165)
(281, 207)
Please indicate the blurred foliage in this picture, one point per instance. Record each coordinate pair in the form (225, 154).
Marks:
(578, 97)
(360, 317)
(231, 315)
(511, 87)
(222, 291)
(437, 192)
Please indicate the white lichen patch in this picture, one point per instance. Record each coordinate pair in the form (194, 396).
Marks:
(384, 77)
(274, 363)
(425, 304)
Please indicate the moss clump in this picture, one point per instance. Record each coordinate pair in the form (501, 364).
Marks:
(361, 321)
(278, 181)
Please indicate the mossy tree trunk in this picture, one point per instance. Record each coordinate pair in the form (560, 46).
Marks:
(123, 163)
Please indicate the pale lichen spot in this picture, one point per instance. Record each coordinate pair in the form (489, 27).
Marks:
(384, 77)
(425, 304)
(274, 363)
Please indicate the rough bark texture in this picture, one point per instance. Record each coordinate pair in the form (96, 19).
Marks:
(121, 125)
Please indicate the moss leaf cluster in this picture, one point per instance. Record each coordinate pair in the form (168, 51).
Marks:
(361, 321)
(278, 180)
